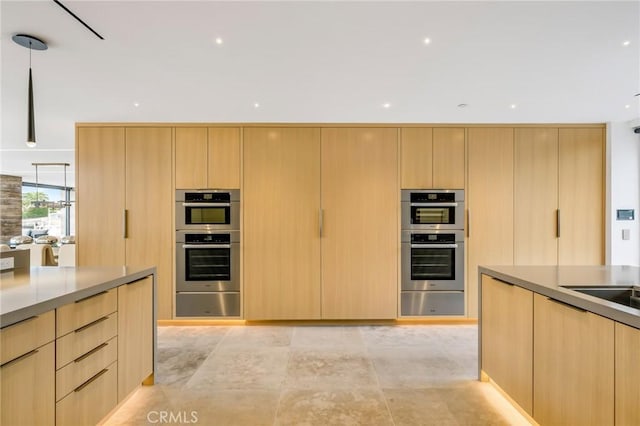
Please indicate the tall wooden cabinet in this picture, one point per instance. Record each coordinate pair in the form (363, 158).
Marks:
(292, 238)
(281, 223)
(432, 158)
(207, 157)
(124, 196)
(490, 204)
(360, 200)
(627, 348)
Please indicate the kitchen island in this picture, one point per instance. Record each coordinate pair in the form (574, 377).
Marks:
(560, 351)
(74, 342)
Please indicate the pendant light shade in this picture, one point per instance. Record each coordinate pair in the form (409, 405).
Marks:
(37, 44)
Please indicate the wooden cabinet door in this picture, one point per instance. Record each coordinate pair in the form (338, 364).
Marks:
(573, 370)
(100, 196)
(536, 196)
(149, 207)
(507, 339)
(581, 194)
(191, 158)
(224, 158)
(627, 376)
(360, 242)
(135, 334)
(416, 158)
(489, 204)
(27, 388)
(448, 158)
(281, 223)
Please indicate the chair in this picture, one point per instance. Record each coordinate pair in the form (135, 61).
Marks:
(41, 254)
(4, 247)
(67, 255)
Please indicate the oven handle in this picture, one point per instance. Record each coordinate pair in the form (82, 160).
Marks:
(206, 246)
(434, 204)
(206, 204)
(434, 246)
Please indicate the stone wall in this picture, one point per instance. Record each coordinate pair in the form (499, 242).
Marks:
(10, 207)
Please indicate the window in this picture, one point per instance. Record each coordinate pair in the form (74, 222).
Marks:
(47, 218)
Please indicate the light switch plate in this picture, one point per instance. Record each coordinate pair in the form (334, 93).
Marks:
(6, 263)
(626, 234)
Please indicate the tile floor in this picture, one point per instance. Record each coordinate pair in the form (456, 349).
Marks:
(317, 375)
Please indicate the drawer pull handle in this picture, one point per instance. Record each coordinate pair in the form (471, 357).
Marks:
(89, 297)
(91, 352)
(88, 382)
(567, 305)
(20, 322)
(91, 324)
(20, 358)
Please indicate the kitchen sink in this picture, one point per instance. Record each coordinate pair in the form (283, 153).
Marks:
(627, 296)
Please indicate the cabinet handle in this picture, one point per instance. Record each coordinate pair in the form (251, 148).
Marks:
(91, 352)
(468, 223)
(88, 382)
(89, 297)
(125, 219)
(567, 305)
(558, 223)
(20, 322)
(91, 324)
(321, 221)
(20, 358)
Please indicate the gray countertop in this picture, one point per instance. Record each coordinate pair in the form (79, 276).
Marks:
(49, 287)
(549, 281)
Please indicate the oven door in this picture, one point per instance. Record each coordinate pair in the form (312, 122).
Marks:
(433, 215)
(207, 267)
(433, 266)
(207, 215)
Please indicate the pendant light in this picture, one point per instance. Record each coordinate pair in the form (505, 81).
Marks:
(37, 44)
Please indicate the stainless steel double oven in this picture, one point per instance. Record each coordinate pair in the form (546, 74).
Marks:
(207, 253)
(432, 253)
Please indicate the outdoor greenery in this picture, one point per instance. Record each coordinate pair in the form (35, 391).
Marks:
(28, 211)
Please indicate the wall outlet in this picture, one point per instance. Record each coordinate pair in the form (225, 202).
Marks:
(6, 263)
(626, 234)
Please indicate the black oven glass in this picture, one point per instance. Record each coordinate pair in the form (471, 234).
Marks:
(208, 264)
(208, 215)
(424, 215)
(433, 264)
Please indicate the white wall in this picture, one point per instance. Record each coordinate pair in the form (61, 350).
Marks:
(623, 189)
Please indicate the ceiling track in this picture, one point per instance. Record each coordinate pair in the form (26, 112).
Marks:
(78, 19)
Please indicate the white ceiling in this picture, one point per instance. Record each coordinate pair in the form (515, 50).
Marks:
(312, 62)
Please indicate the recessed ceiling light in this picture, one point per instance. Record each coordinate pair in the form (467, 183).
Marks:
(427, 40)
(256, 105)
(136, 104)
(386, 105)
(514, 106)
(626, 43)
(462, 105)
(219, 40)
(627, 106)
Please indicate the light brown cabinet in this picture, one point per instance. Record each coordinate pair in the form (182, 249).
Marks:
(489, 203)
(281, 223)
(573, 370)
(627, 355)
(292, 239)
(507, 339)
(135, 334)
(27, 372)
(207, 157)
(432, 158)
(125, 180)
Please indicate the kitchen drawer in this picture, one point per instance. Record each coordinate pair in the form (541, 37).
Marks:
(27, 389)
(208, 304)
(77, 343)
(85, 367)
(432, 303)
(72, 316)
(25, 336)
(91, 401)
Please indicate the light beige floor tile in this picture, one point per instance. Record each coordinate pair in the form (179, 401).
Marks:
(261, 368)
(146, 403)
(338, 407)
(253, 337)
(327, 337)
(322, 369)
(412, 407)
